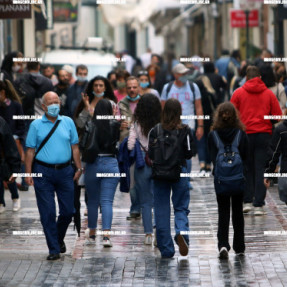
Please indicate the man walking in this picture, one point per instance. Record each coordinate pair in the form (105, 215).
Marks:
(53, 161)
(254, 101)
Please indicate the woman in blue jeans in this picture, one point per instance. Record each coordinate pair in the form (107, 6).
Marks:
(146, 116)
(180, 190)
(102, 176)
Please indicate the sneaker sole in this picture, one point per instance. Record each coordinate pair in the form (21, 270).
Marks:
(183, 247)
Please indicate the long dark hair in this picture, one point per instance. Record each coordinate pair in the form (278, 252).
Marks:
(171, 113)
(226, 116)
(267, 75)
(10, 92)
(147, 112)
(103, 108)
(109, 94)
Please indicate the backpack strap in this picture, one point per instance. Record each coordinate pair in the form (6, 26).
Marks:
(218, 142)
(190, 84)
(169, 87)
(236, 140)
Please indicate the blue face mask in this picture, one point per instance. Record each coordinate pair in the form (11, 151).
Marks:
(98, 95)
(81, 79)
(133, 99)
(144, 85)
(183, 79)
(53, 110)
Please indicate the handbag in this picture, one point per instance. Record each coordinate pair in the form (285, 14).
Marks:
(147, 159)
(89, 144)
(282, 188)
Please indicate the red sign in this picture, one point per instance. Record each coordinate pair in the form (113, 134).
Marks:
(238, 18)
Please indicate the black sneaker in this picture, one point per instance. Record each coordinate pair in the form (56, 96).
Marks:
(53, 257)
(182, 245)
(223, 253)
(133, 216)
(63, 248)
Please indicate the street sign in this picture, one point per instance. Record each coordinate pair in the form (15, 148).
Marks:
(238, 18)
(17, 11)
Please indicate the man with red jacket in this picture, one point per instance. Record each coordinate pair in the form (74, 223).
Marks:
(254, 101)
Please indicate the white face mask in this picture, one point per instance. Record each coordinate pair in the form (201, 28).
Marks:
(16, 68)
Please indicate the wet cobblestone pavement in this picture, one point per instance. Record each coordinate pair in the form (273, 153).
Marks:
(131, 263)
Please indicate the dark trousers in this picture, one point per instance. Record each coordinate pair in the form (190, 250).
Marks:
(13, 189)
(255, 190)
(61, 182)
(237, 221)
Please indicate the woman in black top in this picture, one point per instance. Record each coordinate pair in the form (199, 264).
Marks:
(227, 124)
(102, 175)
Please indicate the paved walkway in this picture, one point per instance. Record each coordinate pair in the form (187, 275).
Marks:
(130, 263)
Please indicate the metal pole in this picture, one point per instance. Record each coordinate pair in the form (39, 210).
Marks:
(247, 34)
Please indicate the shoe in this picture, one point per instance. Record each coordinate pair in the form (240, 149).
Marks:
(208, 168)
(16, 204)
(107, 242)
(182, 244)
(223, 253)
(53, 257)
(63, 248)
(23, 187)
(148, 239)
(86, 212)
(259, 210)
(133, 216)
(2, 208)
(240, 254)
(90, 238)
(154, 237)
(247, 207)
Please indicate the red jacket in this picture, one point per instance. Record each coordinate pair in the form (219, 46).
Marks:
(254, 101)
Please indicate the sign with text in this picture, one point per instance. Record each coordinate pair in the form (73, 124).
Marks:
(8, 10)
(238, 18)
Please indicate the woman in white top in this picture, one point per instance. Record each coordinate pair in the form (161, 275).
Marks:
(146, 116)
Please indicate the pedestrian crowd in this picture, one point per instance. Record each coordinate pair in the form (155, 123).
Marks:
(138, 129)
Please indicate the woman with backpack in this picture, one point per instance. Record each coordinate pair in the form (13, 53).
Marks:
(228, 146)
(101, 190)
(146, 116)
(169, 147)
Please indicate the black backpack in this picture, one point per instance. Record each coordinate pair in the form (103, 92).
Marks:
(166, 164)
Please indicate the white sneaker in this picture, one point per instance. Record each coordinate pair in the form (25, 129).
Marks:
(86, 212)
(154, 237)
(107, 242)
(2, 208)
(247, 207)
(259, 210)
(148, 239)
(90, 239)
(16, 204)
(223, 253)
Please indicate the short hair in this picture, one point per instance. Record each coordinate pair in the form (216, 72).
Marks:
(45, 66)
(252, 72)
(82, 67)
(109, 75)
(33, 66)
(132, 78)
(122, 74)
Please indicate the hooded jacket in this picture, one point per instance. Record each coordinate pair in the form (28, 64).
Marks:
(254, 101)
(31, 88)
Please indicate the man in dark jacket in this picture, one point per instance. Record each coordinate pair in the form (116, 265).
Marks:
(254, 102)
(31, 87)
(61, 90)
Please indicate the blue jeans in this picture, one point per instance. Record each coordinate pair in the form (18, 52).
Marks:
(101, 190)
(135, 201)
(61, 182)
(13, 190)
(202, 150)
(180, 200)
(144, 187)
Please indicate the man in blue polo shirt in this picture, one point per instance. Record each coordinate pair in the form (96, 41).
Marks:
(54, 163)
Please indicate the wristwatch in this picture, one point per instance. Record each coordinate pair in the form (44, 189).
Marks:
(80, 169)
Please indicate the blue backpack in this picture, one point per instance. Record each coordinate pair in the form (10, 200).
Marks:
(228, 172)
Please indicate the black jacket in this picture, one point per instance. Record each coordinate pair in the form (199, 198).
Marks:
(186, 147)
(8, 147)
(227, 137)
(278, 146)
(31, 88)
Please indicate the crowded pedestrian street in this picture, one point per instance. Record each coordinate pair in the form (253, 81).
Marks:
(130, 263)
